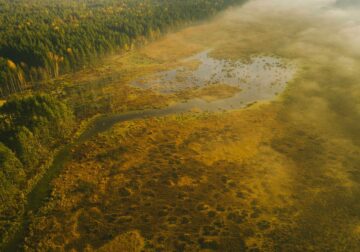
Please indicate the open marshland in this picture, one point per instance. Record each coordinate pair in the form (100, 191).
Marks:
(245, 137)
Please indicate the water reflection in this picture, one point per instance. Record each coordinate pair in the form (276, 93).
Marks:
(259, 78)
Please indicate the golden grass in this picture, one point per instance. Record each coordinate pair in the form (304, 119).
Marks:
(210, 93)
(130, 242)
(230, 138)
(279, 176)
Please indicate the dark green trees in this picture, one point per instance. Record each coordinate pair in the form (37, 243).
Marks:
(44, 117)
(11, 172)
(43, 39)
(12, 182)
(30, 128)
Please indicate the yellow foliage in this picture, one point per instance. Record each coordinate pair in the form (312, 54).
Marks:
(11, 64)
(55, 57)
(130, 241)
(186, 181)
(211, 93)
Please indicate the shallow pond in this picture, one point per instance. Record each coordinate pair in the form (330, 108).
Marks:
(258, 78)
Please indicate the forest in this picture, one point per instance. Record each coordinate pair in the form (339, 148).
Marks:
(40, 40)
(30, 128)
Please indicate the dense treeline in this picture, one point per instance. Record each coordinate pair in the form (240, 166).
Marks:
(42, 39)
(30, 127)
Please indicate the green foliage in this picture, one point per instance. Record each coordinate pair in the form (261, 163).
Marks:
(12, 178)
(11, 169)
(28, 148)
(43, 38)
(47, 119)
(30, 127)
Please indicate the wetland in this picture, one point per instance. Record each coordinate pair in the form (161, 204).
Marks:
(240, 133)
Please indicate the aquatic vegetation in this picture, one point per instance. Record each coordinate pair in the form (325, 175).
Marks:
(207, 174)
(155, 204)
(210, 93)
(260, 77)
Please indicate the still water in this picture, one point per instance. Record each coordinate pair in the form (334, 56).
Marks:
(303, 180)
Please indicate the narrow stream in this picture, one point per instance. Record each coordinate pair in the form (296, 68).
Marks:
(42, 190)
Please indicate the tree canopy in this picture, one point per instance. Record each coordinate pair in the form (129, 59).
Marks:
(42, 39)
(30, 128)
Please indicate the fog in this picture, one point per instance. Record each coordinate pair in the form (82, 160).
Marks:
(307, 167)
(321, 103)
(274, 174)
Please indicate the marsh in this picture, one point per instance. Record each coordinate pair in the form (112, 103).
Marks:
(216, 174)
